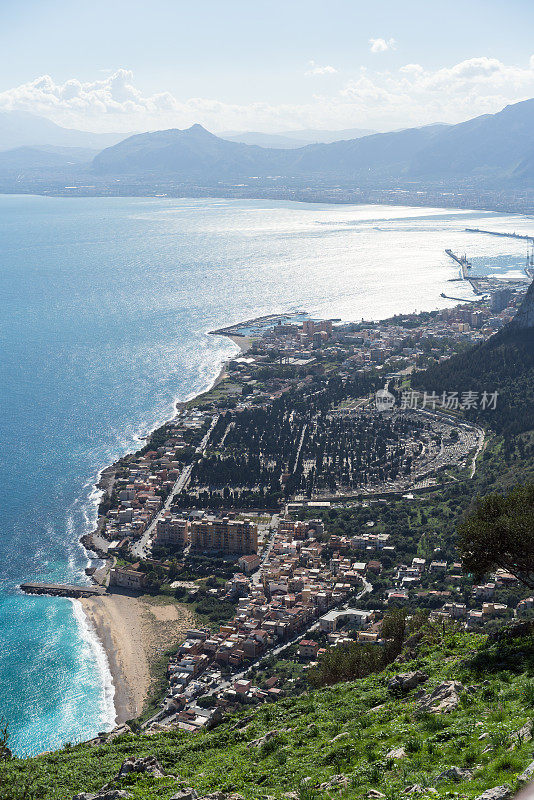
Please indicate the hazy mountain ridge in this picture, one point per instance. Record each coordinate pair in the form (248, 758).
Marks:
(46, 157)
(290, 140)
(491, 151)
(491, 148)
(21, 129)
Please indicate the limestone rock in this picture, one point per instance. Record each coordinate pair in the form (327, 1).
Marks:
(405, 681)
(336, 782)
(214, 796)
(185, 794)
(149, 764)
(497, 793)
(527, 773)
(398, 752)
(456, 774)
(263, 739)
(374, 794)
(444, 698)
(524, 734)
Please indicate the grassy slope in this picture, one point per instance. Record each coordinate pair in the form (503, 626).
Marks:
(504, 363)
(366, 720)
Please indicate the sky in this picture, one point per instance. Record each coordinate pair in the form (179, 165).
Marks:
(131, 65)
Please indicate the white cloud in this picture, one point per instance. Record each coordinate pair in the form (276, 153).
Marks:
(316, 69)
(410, 95)
(381, 45)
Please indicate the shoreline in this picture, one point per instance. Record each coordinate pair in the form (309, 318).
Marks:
(134, 633)
(120, 624)
(515, 203)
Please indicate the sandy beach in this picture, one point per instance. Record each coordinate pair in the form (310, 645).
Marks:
(134, 631)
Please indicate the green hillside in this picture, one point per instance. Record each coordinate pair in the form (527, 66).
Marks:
(504, 363)
(301, 744)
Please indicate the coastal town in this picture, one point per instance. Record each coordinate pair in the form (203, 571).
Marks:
(279, 506)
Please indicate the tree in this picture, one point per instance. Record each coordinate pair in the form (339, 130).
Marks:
(5, 752)
(499, 533)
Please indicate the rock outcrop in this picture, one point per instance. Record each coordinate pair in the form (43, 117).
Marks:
(405, 681)
(456, 774)
(150, 765)
(525, 315)
(444, 698)
(398, 752)
(497, 793)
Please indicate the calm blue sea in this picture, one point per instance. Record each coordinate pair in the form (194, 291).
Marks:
(104, 309)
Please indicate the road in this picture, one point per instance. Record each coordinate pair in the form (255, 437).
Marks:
(227, 683)
(141, 548)
(267, 547)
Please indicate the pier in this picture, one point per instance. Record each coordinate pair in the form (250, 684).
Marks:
(461, 260)
(499, 233)
(464, 265)
(61, 589)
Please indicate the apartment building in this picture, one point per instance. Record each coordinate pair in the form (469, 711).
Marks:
(171, 530)
(224, 535)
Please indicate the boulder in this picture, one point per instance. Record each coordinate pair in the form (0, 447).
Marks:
(336, 782)
(456, 774)
(415, 789)
(374, 794)
(524, 734)
(398, 752)
(443, 699)
(497, 793)
(150, 764)
(527, 774)
(215, 796)
(263, 739)
(405, 681)
(185, 794)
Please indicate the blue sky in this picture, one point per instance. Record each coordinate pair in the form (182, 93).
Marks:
(252, 64)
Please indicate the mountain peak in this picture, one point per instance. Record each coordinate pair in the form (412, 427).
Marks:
(198, 129)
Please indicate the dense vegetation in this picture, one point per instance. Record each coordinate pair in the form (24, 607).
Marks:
(505, 363)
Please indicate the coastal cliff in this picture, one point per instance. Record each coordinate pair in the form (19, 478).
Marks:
(525, 316)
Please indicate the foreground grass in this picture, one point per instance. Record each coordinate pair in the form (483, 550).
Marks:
(346, 729)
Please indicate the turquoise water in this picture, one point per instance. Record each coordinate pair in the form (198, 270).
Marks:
(105, 305)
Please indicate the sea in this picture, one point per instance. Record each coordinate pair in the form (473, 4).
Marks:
(105, 308)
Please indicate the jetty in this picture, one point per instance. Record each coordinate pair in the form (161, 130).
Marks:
(513, 235)
(61, 589)
(461, 260)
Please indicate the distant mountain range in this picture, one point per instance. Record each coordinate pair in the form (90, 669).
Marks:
(290, 140)
(45, 157)
(22, 129)
(491, 149)
(197, 154)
